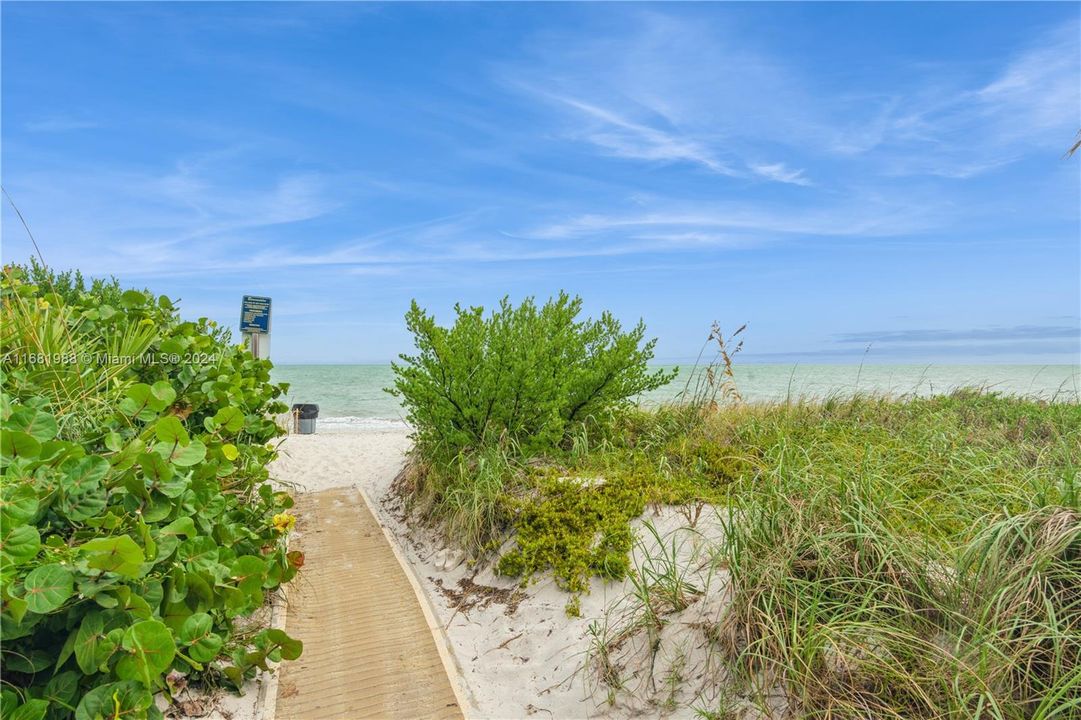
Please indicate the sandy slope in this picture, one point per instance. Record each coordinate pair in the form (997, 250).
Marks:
(517, 653)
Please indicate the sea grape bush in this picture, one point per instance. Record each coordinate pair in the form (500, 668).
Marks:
(521, 376)
(136, 522)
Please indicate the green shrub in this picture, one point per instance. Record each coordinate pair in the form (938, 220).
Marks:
(522, 376)
(137, 521)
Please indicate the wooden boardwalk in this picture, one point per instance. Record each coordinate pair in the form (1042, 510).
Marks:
(368, 649)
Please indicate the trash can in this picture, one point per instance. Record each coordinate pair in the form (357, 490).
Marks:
(304, 415)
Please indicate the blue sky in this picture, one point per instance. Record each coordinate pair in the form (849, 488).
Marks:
(836, 175)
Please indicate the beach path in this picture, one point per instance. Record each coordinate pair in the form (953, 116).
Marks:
(368, 648)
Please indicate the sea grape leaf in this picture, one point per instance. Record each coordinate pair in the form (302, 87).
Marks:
(137, 606)
(84, 505)
(181, 526)
(176, 614)
(48, 587)
(30, 710)
(132, 299)
(229, 418)
(36, 423)
(11, 629)
(113, 441)
(155, 469)
(158, 509)
(193, 454)
(91, 587)
(92, 646)
(200, 594)
(62, 688)
(84, 474)
(163, 393)
(119, 554)
(18, 503)
(18, 444)
(106, 600)
(153, 593)
(58, 450)
(119, 699)
(175, 486)
(66, 651)
(162, 475)
(239, 602)
(248, 571)
(150, 648)
(200, 552)
(290, 647)
(197, 633)
(230, 451)
(180, 455)
(178, 585)
(235, 675)
(170, 430)
(16, 608)
(20, 543)
(135, 484)
(33, 661)
(138, 401)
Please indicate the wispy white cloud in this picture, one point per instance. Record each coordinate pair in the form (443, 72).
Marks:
(59, 123)
(623, 137)
(1039, 90)
(779, 172)
(1017, 332)
(860, 218)
(665, 89)
(960, 128)
(141, 222)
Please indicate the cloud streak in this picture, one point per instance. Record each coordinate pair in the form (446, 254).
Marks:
(1016, 332)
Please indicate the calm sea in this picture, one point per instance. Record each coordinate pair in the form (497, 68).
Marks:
(351, 397)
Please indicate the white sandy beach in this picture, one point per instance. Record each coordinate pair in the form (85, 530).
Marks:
(514, 653)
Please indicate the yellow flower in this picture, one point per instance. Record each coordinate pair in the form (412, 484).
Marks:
(284, 522)
(43, 304)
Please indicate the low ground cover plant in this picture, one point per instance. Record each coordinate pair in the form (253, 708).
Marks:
(138, 526)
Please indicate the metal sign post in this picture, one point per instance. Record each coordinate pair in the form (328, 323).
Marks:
(255, 324)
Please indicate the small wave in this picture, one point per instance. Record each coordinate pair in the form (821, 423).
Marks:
(351, 423)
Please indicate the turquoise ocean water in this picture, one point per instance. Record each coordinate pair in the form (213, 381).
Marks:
(351, 397)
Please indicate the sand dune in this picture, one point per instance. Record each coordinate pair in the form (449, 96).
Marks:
(514, 651)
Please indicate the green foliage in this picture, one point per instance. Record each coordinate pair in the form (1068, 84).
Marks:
(579, 526)
(137, 521)
(850, 614)
(946, 463)
(491, 392)
(522, 376)
(880, 558)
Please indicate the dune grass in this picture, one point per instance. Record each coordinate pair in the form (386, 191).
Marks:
(941, 463)
(838, 604)
(916, 558)
(885, 559)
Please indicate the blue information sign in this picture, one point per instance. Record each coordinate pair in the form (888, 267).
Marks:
(255, 314)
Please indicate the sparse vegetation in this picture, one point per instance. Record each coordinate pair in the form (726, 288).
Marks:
(915, 558)
(886, 559)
